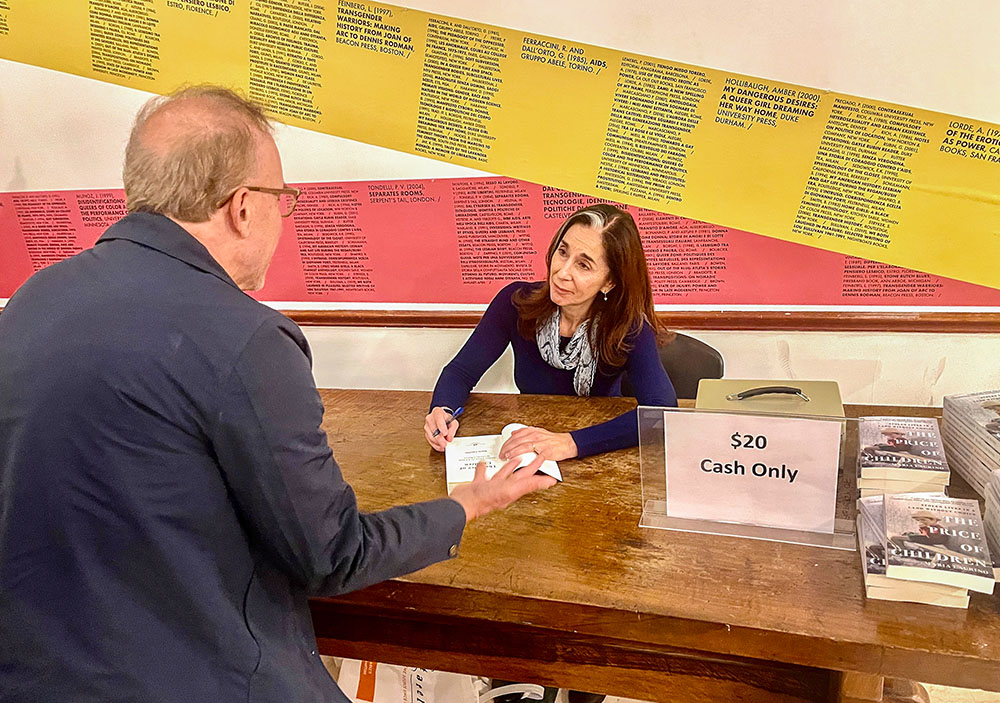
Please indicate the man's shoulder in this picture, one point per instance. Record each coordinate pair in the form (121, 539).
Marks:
(268, 321)
(121, 290)
(237, 320)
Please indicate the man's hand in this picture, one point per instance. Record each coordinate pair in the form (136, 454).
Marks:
(441, 420)
(549, 445)
(484, 495)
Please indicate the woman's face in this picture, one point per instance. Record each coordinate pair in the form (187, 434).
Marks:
(579, 268)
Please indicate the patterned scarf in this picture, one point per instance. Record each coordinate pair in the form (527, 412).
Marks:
(577, 356)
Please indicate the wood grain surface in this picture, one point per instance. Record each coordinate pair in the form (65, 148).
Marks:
(754, 320)
(565, 588)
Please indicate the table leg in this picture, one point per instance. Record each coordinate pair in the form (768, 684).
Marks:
(870, 688)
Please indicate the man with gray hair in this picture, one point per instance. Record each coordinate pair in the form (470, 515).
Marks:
(168, 499)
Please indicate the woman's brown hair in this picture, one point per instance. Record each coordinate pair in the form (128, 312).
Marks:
(629, 303)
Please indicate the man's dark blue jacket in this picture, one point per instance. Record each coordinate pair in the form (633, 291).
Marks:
(167, 497)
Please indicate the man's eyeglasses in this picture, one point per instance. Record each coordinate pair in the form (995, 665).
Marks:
(287, 197)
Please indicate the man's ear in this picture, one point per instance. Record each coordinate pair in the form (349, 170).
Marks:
(237, 213)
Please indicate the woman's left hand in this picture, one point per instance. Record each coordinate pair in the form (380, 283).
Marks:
(549, 445)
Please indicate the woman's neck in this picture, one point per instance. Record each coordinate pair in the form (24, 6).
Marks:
(570, 317)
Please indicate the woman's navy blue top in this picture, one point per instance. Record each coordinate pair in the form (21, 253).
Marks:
(532, 374)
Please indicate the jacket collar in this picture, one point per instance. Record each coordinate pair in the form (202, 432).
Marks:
(166, 236)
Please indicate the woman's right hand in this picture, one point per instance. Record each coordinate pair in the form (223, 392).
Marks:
(438, 419)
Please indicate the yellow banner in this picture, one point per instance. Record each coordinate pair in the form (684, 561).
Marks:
(899, 185)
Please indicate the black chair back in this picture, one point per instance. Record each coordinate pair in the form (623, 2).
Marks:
(686, 360)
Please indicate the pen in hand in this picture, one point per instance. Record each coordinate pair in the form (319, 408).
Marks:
(453, 416)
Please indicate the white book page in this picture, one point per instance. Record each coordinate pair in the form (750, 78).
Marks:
(463, 453)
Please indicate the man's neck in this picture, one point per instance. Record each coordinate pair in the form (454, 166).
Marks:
(221, 245)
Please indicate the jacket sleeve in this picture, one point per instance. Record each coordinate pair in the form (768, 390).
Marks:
(289, 491)
(480, 351)
(652, 387)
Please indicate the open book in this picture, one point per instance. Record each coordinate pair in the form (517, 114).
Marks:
(463, 453)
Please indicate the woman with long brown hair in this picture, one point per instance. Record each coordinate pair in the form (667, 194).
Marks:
(578, 332)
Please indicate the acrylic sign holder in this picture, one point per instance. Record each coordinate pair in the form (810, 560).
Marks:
(655, 500)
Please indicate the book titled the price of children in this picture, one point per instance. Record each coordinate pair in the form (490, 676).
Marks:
(758, 470)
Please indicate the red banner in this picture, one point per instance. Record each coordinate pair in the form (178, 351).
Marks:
(457, 241)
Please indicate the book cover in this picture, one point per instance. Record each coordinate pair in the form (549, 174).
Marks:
(938, 540)
(871, 545)
(901, 448)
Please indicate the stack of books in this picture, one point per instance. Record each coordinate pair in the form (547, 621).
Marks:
(991, 519)
(923, 548)
(901, 455)
(972, 436)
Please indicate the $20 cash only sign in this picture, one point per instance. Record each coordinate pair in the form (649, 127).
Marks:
(752, 469)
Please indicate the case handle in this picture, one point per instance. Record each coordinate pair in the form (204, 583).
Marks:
(753, 392)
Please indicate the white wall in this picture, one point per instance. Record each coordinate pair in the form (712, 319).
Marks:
(891, 369)
(59, 131)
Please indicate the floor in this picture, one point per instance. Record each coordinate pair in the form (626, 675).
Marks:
(939, 694)
(944, 694)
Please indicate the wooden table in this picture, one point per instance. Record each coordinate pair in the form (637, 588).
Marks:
(565, 589)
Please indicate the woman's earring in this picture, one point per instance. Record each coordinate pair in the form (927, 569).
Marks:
(605, 296)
